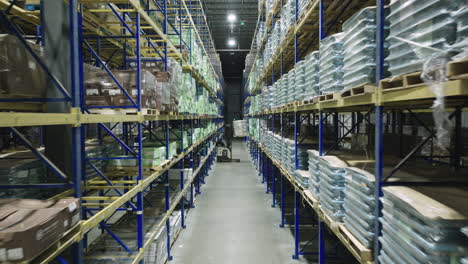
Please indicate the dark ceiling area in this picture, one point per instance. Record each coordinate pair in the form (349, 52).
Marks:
(241, 30)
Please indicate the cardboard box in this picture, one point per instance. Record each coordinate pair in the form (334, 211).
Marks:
(25, 233)
(69, 207)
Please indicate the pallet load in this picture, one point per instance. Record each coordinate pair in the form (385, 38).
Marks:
(20, 74)
(187, 93)
(420, 30)
(314, 173)
(288, 17)
(299, 81)
(360, 48)
(302, 177)
(423, 225)
(359, 205)
(260, 33)
(312, 75)
(289, 159)
(102, 91)
(332, 184)
(240, 128)
(291, 88)
(28, 227)
(331, 64)
(21, 168)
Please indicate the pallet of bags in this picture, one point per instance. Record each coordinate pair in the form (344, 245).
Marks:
(331, 64)
(423, 224)
(332, 184)
(359, 205)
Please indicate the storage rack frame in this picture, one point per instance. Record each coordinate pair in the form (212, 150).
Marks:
(129, 13)
(410, 99)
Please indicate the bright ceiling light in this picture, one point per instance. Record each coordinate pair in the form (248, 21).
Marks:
(231, 18)
(231, 42)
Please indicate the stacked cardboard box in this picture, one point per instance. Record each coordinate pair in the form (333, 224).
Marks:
(20, 74)
(28, 227)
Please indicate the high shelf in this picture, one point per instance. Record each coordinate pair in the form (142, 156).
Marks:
(374, 111)
(114, 36)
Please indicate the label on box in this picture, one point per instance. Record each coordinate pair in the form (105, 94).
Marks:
(3, 255)
(15, 254)
(72, 207)
(75, 219)
(41, 233)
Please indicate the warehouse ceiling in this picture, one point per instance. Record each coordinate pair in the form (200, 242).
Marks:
(241, 30)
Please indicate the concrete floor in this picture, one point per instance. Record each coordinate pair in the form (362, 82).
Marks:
(233, 221)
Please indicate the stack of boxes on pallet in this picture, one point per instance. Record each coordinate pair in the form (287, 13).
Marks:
(31, 226)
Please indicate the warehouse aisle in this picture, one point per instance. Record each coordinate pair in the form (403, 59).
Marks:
(234, 221)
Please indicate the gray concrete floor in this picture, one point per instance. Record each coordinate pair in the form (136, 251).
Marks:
(233, 221)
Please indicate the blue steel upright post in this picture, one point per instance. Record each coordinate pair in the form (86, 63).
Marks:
(296, 160)
(76, 81)
(379, 125)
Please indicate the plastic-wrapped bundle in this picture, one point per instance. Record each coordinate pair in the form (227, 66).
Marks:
(299, 81)
(464, 260)
(18, 169)
(332, 183)
(311, 75)
(20, 74)
(423, 225)
(302, 177)
(314, 175)
(461, 18)
(302, 4)
(288, 17)
(261, 33)
(240, 128)
(359, 205)
(418, 28)
(290, 156)
(331, 64)
(359, 48)
(291, 95)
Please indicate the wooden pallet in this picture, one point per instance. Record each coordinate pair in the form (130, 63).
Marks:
(457, 69)
(329, 97)
(334, 226)
(363, 253)
(358, 90)
(403, 81)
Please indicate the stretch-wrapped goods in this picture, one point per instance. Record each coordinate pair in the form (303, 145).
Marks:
(423, 225)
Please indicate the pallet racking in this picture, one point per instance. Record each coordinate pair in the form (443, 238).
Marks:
(141, 31)
(371, 105)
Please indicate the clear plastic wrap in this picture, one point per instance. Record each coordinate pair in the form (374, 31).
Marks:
(331, 64)
(423, 224)
(424, 35)
(20, 74)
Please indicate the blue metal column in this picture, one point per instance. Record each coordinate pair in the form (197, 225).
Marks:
(273, 186)
(140, 224)
(296, 193)
(77, 136)
(182, 178)
(167, 189)
(379, 162)
(321, 224)
(282, 181)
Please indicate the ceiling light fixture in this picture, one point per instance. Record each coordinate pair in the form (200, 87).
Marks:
(231, 18)
(231, 42)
